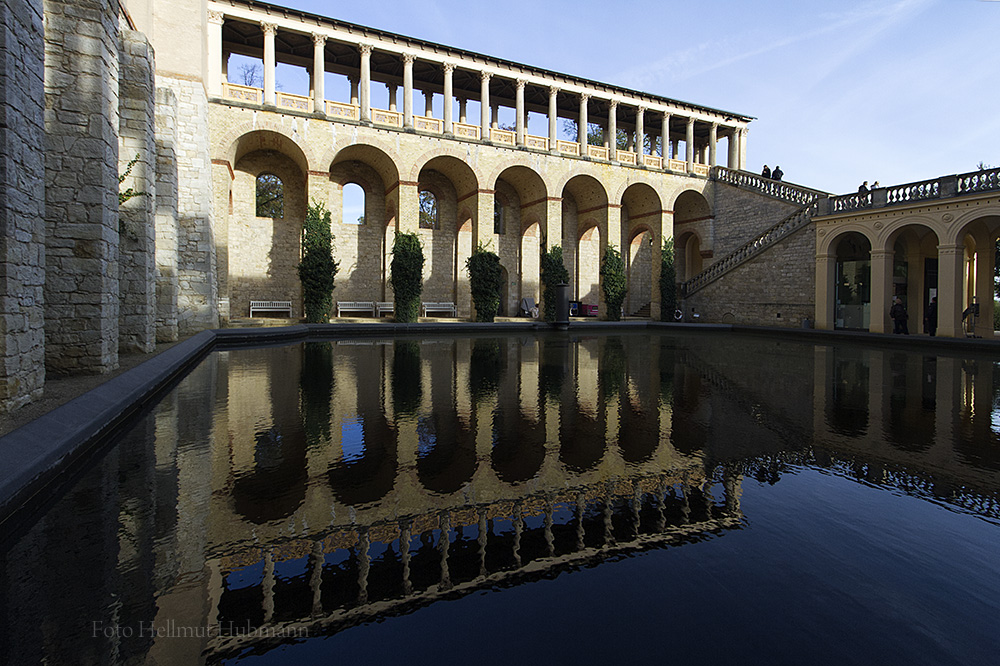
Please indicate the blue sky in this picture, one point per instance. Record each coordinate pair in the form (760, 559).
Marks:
(843, 91)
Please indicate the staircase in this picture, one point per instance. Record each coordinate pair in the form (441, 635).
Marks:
(642, 312)
(778, 189)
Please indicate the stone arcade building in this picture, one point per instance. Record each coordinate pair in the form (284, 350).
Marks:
(88, 85)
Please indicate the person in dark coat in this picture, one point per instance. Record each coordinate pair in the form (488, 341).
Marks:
(898, 314)
(777, 173)
(766, 172)
(930, 318)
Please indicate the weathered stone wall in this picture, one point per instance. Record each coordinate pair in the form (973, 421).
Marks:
(136, 277)
(439, 243)
(638, 259)
(742, 214)
(167, 289)
(81, 185)
(22, 203)
(359, 248)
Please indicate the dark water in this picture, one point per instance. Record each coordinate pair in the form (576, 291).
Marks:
(554, 499)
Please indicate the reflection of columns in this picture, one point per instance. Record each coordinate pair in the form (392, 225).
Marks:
(689, 140)
(518, 528)
(449, 101)
(686, 502)
(581, 509)
(713, 137)
(553, 122)
(269, 31)
(392, 96)
(428, 103)
(640, 134)
(881, 277)
(214, 49)
(318, 73)
(404, 553)
(484, 105)
(267, 586)
(407, 90)
(583, 124)
(364, 563)
(550, 541)
(613, 131)
(665, 139)
(826, 290)
(951, 259)
(519, 101)
(481, 540)
(443, 542)
(316, 577)
(366, 82)
(215, 585)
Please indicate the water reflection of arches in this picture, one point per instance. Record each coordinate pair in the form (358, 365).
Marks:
(910, 425)
(847, 406)
(518, 445)
(689, 431)
(446, 451)
(638, 411)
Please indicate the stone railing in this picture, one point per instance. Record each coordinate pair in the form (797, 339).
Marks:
(768, 238)
(294, 102)
(936, 188)
(678, 165)
(243, 93)
(465, 131)
(701, 169)
(568, 147)
(341, 110)
(390, 118)
(626, 157)
(502, 136)
(428, 124)
(979, 181)
(653, 161)
(773, 188)
(536, 142)
(928, 189)
(597, 152)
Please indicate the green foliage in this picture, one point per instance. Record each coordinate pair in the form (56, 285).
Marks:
(485, 369)
(553, 272)
(486, 281)
(613, 282)
(317, 269)
(612, 368)
(406, 276)
(270, 196)
(595, 136)
(124, 226)
(407, 387)
(668, 281)
(316, 391)
(428, 210)
(996, 315)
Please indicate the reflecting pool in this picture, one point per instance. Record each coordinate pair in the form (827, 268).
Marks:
(555, 498)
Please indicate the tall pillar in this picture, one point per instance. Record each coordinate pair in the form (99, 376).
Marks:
(449, 101)
(583, 125)
(733, 162)
(689, 140)
(713, 137)
(366, 82)
(319, 73)
(519, 123)
(881, 278)
(214, 51)
(484, 105)
(665, 139)
(428, 104)
(392, 96)
(553, 118)
(495, 115)
(640, 134)
(270, 29)
(613, 131)
(985, 262)
(743, 149)
(826, 266)
(355, 100)
(408, 90)
(951, 260)
(462, 115)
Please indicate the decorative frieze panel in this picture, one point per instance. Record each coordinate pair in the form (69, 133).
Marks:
(465, 131)
(538, 142)
(626, 157)
(678, 165)
(243, 93)
(295, 102)
(427, 124)
(341, 110)
(383, 117)
(502, 136)
(568, 147)
(597, 152)
(701, 170)
(653, 161)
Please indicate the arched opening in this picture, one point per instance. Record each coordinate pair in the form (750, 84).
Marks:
(429, 214)
(688, 256)
(853, 282)
(588, 268)
(585, 218)
(692, 224)
(521, 195)
(914, 273)
(640, 275)
(354, 204)
(270, 196)
(641, 240)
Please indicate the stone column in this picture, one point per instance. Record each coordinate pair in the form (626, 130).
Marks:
(495, 115)
(826, 266)
(689, 140)
(881, 278)
(449, 98)
(713, 137)
(214, 51)
(613, 131)
(582, 127)
(366, 82)
(270, 29)
(428, 104)
(392, 96)
(462, 111)
(743, 149)
(553, 119)
(985, 261)
(733, 159)
(408, 90)
(355, 98)
(640, 134)
(319, 73)
(665, 139)
(951, 261)
(484, 105)
(519, 123)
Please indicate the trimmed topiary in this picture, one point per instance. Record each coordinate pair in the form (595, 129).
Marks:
(406, 274)
(317, 269)
(553, 272)
(613, 282)
(486, 281)
(668, 281)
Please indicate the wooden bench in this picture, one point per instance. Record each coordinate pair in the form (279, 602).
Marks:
(384, 307)
(356, 306)
(440, 307)
(271, 306)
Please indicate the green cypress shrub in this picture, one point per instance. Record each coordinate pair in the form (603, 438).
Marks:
(486, 282)
(317, 269)
(668, 281)
(613, 282)
(406, 274)
(553, 272)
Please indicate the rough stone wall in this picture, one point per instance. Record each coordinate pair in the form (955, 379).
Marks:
(167, 289)
(136, 277)
(264, 252)
(81, 182)
(22, 203)
(439, 244)
(639, 260)
(775, 288)
(508, 246)
(358, 247)
(740, 215)
(589, 263)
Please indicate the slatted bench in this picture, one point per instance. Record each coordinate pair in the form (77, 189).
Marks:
(384, 307)
(440, 307)
(271, 306)
(356, 306)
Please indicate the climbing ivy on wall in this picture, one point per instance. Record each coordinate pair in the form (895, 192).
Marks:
(317, 269)
(668, 281)
(486, 281)
(406, 276)
(613, 282)
(553, 272)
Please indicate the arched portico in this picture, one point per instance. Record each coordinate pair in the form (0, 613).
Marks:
(586, 221)
(642, 222)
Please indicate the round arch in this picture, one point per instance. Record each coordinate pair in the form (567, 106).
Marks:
(246, 138)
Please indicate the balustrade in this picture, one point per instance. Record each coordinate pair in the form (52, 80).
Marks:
(568, 147)
(243, 93)
(295, 102)
(502, 136)
(428, 124)
(341, 110)
(678, 165)
(466, 131)
(390, 118)
(597, 152)
(626, 157)
(927, 189)
(538, 142)
(654, 161)
(979, 181)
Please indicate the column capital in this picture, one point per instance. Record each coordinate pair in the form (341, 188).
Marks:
(690, 121)
(485, 77)
(216, 17)
(715, 126)
(270, 29)
(553, 91)
(448, 67)
(614, 104)
(365, 49)
(584, 98)
(642, 110)
(521, 83)
(408, 58)
(318, 39)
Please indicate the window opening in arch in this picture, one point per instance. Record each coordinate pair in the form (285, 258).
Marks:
(354, 204)
(497, 216)
(270, 196)
(428, 210)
